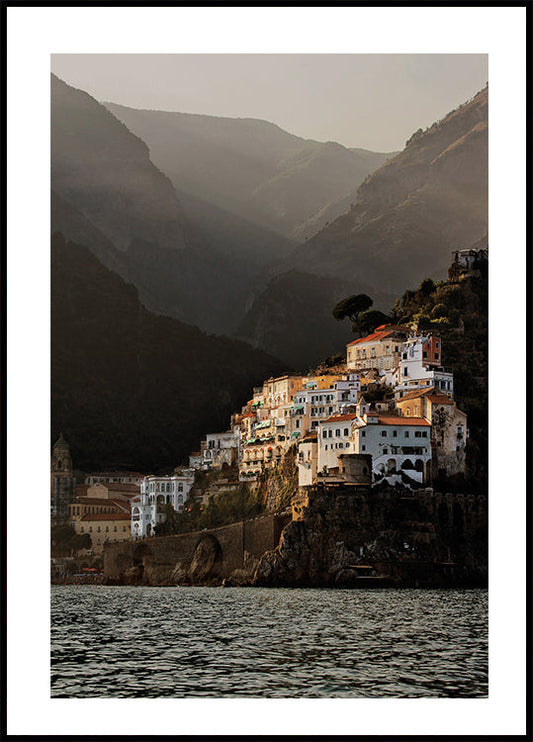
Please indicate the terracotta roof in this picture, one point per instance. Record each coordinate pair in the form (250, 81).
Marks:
(340, 418)
(118, 486)
(106, 516)
(439, 399)
(430, 393)
(100, 501)
(311, 436)
(403, 421)
(381, 332)
(115, 474)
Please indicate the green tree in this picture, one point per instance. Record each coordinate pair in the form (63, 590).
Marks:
(423, 322)
(426, 287)
(352, 307)
(439, 310)
(372, 318)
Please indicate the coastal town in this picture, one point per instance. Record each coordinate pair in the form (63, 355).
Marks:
(386, 415)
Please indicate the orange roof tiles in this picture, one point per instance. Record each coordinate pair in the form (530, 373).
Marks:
(340, 418)
(381, 332)
(115, 474)
(118, 486)
(403, 421)
(100, 501)
(429, 393)
(106, 516)
(439, 399)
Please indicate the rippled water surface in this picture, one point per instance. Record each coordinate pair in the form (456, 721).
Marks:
(229, 642)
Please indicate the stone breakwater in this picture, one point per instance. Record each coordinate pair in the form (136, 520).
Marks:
(341, 537)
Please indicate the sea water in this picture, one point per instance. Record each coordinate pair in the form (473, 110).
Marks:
(175, 642)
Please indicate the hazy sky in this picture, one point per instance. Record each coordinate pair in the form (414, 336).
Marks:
(375, 101)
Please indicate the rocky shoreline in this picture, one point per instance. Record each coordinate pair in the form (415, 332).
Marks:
(344, 538)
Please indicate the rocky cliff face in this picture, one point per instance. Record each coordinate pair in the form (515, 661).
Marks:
(414, 210)
(347, 539)
(408, 217)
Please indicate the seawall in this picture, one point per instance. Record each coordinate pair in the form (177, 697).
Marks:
(204, 557)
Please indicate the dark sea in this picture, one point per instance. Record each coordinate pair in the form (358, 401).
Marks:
(155, 642)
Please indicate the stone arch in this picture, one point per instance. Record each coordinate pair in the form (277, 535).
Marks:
(419, 465)
(407, 464)
(391, 466)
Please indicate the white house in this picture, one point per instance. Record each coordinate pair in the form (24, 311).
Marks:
(419, 367)
(147, 509)
(313, 405)
(307, 459)
(395, 443)
(334, 437)
(220, 448)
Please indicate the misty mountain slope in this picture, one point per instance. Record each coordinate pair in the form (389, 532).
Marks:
(105, 171)
(414, 210)
(292, 318)
(111, 197)
(408, 217)
(241, 241)
(252, 167)
(130, 388)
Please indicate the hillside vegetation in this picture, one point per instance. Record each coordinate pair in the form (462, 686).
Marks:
(457, 310)
(131, 389)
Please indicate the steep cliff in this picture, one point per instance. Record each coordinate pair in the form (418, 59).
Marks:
(188, 263)
(346, 538)
(413, 211)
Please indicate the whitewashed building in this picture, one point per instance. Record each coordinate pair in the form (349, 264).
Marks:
(307, 459)
(313, 405)
(419, 367)
(147, 509)
(395, 443)
(334, 438)
(220, 448)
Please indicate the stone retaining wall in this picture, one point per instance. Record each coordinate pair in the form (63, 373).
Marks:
(205, 557)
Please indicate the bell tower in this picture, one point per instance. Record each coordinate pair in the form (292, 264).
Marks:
(63, 484)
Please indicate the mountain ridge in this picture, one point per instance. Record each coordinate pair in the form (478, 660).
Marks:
(249, 166)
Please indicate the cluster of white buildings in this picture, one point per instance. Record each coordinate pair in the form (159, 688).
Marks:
(414, 433)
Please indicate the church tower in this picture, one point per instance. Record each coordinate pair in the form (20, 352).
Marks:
(63, 484)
